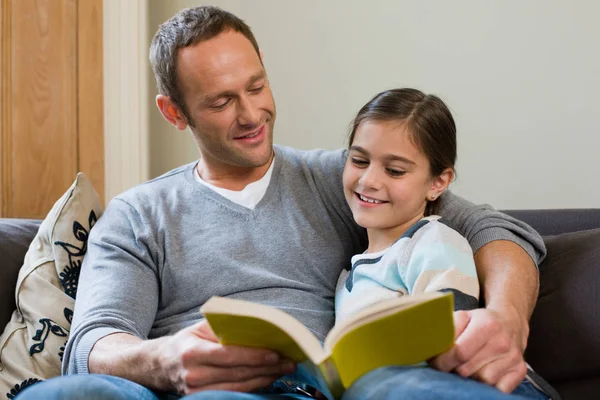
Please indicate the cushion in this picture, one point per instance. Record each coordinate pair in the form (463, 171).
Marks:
(15, 237)
(32, 343)
(564, 344)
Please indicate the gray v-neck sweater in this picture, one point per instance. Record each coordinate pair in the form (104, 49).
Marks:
(163, 248)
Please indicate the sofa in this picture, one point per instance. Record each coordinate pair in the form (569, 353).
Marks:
(564, 342)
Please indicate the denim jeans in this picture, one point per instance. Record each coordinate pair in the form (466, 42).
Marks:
(384, 383)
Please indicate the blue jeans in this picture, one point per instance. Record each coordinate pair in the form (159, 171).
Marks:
(384, 383)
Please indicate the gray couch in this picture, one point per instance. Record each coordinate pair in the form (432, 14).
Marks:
(564, 344)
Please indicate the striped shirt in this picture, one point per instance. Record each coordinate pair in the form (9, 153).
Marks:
(430, 256)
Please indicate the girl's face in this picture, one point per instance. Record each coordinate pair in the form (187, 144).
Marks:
(387, 180)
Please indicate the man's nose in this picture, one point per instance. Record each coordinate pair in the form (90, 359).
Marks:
(248, 112)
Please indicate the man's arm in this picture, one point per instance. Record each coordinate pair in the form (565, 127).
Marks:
(490, 342)
(511, 282)
(117, 303)
(189, 361)
(482, 224)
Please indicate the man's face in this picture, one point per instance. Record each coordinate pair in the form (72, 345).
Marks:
(225, 88)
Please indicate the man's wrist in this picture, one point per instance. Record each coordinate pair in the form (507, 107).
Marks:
(518, 321)
(158, 363)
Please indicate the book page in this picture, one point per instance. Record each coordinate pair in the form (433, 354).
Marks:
(405, 335)
(243, 323)
(376, 311)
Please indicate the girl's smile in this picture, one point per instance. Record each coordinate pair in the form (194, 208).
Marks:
(387, 181)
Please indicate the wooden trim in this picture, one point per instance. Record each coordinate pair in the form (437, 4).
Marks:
(5, 108)
(125, 94)
(90, 92)
(44, 104)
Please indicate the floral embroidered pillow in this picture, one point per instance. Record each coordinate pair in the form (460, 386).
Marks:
(32, 344)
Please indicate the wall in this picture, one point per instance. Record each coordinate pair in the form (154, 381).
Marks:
(126, 90)
(520, 77)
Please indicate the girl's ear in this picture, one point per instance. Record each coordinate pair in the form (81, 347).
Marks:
(440, 183)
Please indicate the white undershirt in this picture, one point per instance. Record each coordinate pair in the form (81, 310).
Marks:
(249, 196)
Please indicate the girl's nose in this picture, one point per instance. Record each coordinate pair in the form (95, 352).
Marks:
(370, 179)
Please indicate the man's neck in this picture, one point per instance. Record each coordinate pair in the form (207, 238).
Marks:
(231, 177)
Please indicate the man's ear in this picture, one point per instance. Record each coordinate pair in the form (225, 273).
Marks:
(441, 183)
(171, 112)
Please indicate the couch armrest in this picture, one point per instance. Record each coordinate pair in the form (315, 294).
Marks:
(15, 237)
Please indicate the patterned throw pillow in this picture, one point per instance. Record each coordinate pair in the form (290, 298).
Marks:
(32, 345)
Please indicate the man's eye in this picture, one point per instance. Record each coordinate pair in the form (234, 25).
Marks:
(221, 104)
(395, 172)
(257, 89)
(359, 162)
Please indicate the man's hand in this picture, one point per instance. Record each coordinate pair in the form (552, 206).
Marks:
(490, 342)
(489, 347)
(193, 361)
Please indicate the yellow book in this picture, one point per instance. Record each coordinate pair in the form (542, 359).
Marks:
(406, 330)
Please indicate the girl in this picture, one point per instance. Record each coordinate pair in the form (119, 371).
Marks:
(401, 159)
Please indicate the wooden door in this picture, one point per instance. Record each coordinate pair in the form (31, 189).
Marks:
(51, 101)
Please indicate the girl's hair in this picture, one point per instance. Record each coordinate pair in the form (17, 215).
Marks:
(428, 121)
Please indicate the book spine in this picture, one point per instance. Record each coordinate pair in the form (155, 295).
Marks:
(330, 374)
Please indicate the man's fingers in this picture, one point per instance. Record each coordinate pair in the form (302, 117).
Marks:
(494, 350)
(195, 360)
(461, 320)
(484, 350)
(215, 375)
(490, 370)
(474, 338)
(468, 342)
(448, 361)
(203, 330)
(445, 362)
(235, 356)
(246, 386)
(512, 379)
(219, 355)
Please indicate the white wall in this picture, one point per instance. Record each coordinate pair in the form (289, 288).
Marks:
(126, 119)
(521, 77)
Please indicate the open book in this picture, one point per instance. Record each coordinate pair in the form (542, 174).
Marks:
(405, 330)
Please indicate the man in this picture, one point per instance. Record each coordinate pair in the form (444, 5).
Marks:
(262, 223)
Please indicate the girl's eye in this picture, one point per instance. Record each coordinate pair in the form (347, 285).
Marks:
(359, 162)
(395, 172)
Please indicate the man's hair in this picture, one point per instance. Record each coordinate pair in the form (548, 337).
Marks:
(187, 28)
(429, 122)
